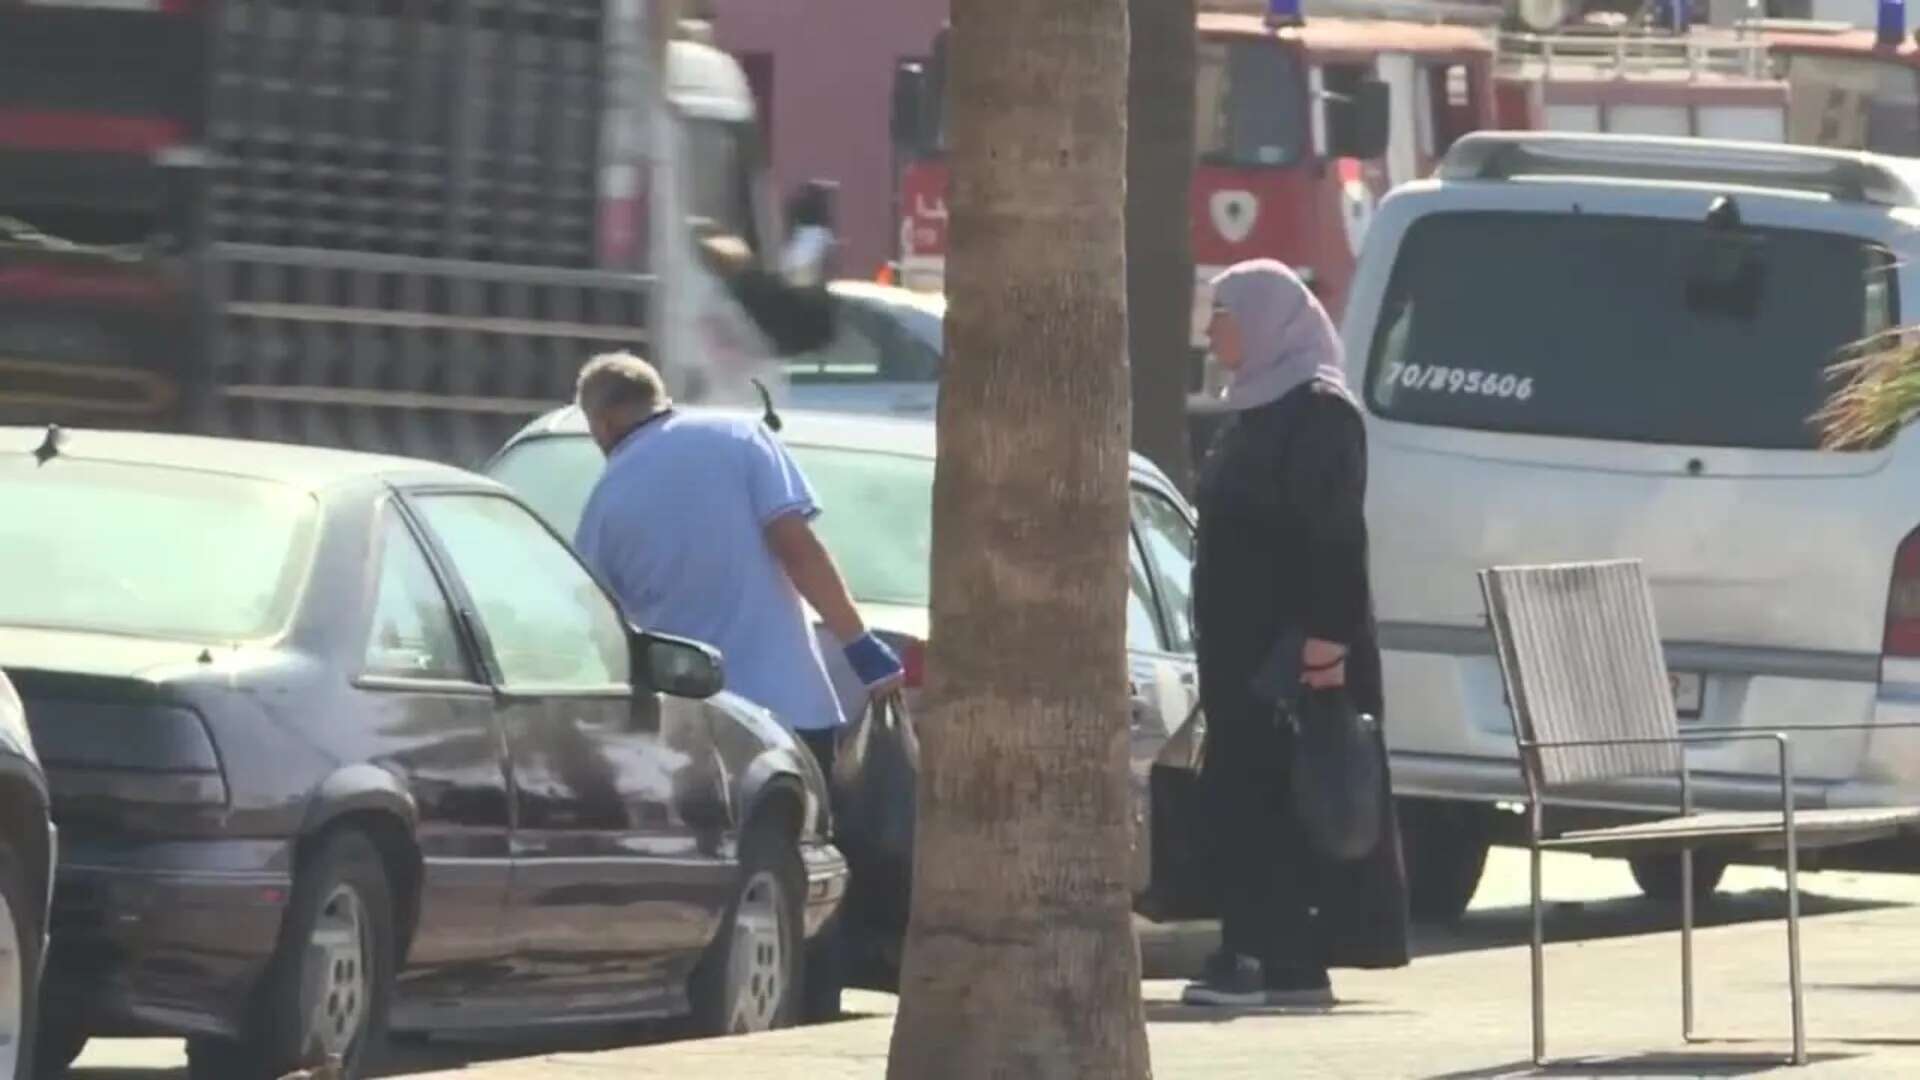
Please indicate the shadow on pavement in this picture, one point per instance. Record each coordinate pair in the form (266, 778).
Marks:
(1659, 1066)
(1494, 928)
(414, 1056)
(1167, 1012)
(451, 1052)
(1868, 988)
(1177, 950)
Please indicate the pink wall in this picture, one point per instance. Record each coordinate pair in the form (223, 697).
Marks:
(833, 63)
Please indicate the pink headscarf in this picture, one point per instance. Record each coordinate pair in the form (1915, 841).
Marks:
(1286, 337)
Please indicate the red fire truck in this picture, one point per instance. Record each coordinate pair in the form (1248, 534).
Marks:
(1300, 130)
(1845, 90)
(1771, 80)
(1711, 83)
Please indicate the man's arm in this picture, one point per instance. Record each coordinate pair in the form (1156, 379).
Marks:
(785, 504)
(807, 562)
(811, 567)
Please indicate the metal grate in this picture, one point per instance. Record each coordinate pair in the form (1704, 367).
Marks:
(464, 129)
(423, 357)
(1580, 651)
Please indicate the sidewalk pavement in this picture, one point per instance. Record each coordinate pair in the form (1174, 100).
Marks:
(1460, 1016)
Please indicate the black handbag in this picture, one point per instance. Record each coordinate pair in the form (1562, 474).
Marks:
(1180, 886)
(1338, 772)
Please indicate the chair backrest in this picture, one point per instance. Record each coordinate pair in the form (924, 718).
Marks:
(1580, 653)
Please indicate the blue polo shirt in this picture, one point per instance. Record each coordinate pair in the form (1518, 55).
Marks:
(677, 527)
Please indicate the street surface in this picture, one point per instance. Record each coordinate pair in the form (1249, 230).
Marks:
(1595, 900)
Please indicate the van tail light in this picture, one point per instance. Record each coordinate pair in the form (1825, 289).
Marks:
(1902, 637)
(913, 657)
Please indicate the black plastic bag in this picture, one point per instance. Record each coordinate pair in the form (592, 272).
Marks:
(1338, 773)
(876, 776)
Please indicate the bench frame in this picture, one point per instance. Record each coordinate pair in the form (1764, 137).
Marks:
(1619, 650)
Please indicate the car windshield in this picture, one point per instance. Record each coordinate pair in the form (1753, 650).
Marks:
(149, 551)
(1623, 328)
(878, 520)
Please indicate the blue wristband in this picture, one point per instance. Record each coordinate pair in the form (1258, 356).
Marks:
(872, 662)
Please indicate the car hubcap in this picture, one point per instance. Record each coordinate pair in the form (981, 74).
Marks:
(757, 969)
(13, 991)
(338, 976)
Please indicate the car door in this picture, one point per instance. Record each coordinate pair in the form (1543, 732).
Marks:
(1164, 530)
(1163, 670)
(617, 794)
(1151, 681)
(432, 718)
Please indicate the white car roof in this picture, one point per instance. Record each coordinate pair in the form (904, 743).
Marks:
(1843, 176)
(934, 304)
(804, 427)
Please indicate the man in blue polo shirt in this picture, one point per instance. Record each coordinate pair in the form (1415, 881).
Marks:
(702, 526)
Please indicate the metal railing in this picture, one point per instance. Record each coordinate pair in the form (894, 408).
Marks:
(1700, 54)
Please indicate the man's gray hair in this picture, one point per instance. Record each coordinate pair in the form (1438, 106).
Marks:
(620, 380)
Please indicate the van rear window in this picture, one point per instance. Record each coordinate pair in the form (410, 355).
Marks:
(1623, 328)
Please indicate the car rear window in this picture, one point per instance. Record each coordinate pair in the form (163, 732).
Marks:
(878, 520)
(554, 474)
(149, 551)
(1622, 328)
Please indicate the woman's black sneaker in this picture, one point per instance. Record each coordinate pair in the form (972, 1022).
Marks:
(1229, 981)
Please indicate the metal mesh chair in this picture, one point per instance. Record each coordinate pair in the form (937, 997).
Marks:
(1586, 679)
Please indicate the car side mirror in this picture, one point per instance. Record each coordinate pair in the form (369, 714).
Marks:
(1357, 123)
(678, 667)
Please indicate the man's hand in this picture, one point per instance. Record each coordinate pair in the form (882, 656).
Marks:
(1323, 664)
(875, 665)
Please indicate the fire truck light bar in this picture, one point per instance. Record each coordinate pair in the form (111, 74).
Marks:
(1890, 24)
(1838, 174)
(1284, 13)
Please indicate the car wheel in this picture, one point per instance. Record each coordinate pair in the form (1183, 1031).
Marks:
(326, 991)
(1659, 876)
(1444, 846)
(19, 967)
(752, 976)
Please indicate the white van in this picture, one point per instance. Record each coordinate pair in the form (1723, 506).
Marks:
(1581, 347)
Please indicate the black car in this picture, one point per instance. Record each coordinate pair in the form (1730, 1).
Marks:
(26, 875)
(340, 744)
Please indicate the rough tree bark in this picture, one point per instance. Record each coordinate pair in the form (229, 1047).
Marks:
(1021, 961)
(1160, 155)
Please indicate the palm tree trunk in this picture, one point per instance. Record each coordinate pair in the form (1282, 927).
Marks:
(1160, 155)
(1020, 958)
